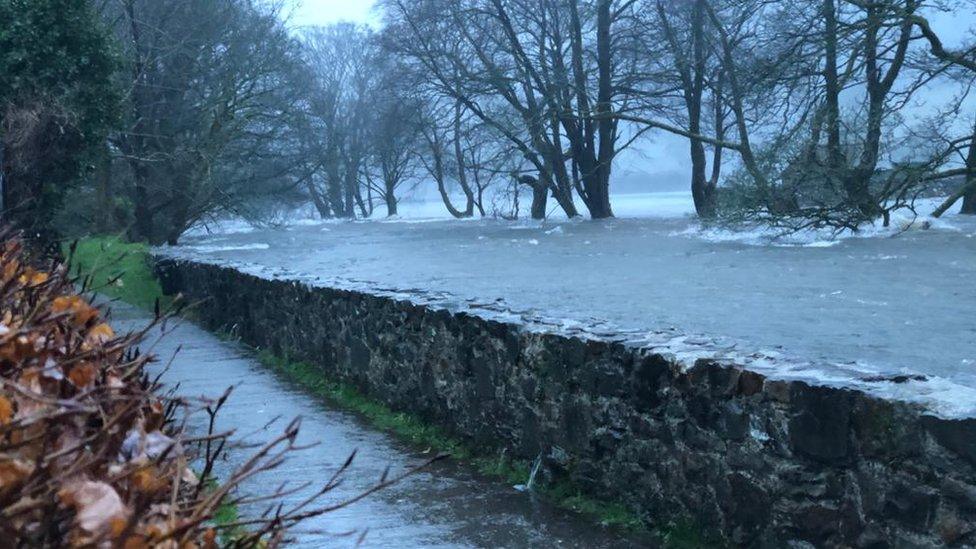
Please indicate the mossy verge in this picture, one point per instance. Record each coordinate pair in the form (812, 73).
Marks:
(116, 268)
(421, 434)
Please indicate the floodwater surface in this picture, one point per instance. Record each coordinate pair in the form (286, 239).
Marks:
(863, 307)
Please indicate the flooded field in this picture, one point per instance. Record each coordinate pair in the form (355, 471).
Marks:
(864, 308)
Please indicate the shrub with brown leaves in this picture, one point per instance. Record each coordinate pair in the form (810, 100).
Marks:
(90, 453)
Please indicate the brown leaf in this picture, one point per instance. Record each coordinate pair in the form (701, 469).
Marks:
(100, 334)
(6, 410)
(82, 311)
(31, 278)
(148, 480)
(97, 506)
(83, 375)
(13, 472)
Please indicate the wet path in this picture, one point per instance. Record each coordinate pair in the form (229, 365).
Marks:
(445, 506)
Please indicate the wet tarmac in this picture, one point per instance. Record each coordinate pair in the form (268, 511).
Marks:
(446, 505)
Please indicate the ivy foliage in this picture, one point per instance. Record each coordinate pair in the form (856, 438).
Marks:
(58, 100)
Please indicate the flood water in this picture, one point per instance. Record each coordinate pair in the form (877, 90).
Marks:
(446, 505)
(859, 308)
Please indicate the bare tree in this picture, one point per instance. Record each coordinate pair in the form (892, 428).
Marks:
(209, 82)
(341, 61)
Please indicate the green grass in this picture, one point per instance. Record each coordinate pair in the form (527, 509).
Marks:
(226, 516)
(405, 426)
(118, 269)
(606, 513)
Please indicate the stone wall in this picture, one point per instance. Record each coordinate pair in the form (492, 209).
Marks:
(764, 462)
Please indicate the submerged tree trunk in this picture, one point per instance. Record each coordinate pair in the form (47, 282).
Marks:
(692, 74)
(700, 186)
(391, 205)
(540, 195)
(858, 183)
(599, 191)
(442, 189)
(969, 199)
(593, 142)
(832, 100)
(968, 191)
(461, 167)
(389, 196)
(320, 204)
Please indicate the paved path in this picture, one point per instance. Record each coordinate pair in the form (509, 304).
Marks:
(445, 506)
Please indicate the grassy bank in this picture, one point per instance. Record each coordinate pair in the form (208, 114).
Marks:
(116, 268)
(124, 271)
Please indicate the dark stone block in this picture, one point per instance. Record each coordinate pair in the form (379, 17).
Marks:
(733, 422)
(820, 428)
(912, 505)
(963, 494)
(749, 508)
(818, 522)
(650, 375)
(958, 436)
(359, 354)
(750, 383)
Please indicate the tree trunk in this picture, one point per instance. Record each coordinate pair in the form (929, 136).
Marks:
(857, 184)
(105, 218)
(730, 70)
(969, 201)
(389, 196)
(693, 97)
(437, 172)
(181, 202)
(143, 227)
(350, 186)
(599, 190)
(461, 168)
(320, 204)
(391, 205)
(968, 191)
(361, 203)
(832, 101)
(540, 195)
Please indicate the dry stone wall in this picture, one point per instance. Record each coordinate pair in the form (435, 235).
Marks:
(765, 463)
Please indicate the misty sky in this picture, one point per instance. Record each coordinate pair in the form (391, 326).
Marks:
(323, 12)
(662, 156)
